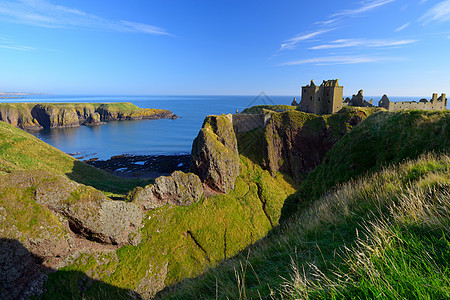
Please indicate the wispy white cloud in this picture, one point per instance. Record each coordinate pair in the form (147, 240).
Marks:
(331, 23)
(403, 26)
(17, 47)
(45, 14)
(438, 13)
(11, 45)
(344, 43)
(337, 60)
(362, 9)
(289, 44)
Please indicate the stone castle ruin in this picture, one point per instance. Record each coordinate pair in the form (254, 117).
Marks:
(328, 98)
(434, 104)
(323, 99)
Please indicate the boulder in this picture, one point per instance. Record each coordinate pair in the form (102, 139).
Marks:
(100, 219)
(179, 189)
(215, 157)
(89, 213)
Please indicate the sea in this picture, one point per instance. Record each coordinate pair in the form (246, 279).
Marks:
(148, 137)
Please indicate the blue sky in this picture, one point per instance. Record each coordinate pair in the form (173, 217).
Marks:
(397, 47)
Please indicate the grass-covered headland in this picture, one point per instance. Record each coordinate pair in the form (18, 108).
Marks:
(52, 115)
(371, 221)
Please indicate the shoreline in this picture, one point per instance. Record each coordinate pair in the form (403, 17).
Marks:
(142, 166)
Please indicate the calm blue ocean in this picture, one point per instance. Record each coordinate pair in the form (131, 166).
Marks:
(147, 137)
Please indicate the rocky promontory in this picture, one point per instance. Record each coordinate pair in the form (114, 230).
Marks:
(57, 115)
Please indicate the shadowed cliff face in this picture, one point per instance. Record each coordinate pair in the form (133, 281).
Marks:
(295, 142)
(37, 116)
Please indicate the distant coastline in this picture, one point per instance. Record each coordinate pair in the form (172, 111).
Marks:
(16, 95)
(20, 94)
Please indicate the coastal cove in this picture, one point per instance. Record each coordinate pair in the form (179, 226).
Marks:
(145, 137)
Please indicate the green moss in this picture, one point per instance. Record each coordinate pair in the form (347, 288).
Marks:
(23, 218)
(193, 238)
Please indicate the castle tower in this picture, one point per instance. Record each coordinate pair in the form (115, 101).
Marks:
(323, 99)
(434, 97)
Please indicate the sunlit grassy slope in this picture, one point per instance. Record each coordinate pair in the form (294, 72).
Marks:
(22, 151)
(382, 232)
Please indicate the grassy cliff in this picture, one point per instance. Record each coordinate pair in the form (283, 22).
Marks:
(382, 231)
(22, 151)
(373, 214)
(52, 115)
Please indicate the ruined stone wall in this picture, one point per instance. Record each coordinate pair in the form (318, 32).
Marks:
(247, 122)
(308, 101)
(332, 99)
(436, 105)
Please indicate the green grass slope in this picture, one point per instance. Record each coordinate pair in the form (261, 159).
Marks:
(382, 139)
(22, 151)
(382, 232)
(181, 242)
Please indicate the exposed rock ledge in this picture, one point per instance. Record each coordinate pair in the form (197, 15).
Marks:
(55, 115)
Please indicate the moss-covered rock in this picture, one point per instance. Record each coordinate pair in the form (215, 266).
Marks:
(179, 189)
(98, 218)
(215, 157)
(89, 213)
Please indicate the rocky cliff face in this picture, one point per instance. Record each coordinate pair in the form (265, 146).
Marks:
(295, 142)
(37, 116)
(215, 158)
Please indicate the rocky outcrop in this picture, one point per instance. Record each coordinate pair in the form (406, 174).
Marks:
(59, 115)
(111, 112)
(88, 212)
(215, 157)
(99, 219)
(18, 115)
(179, 189)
